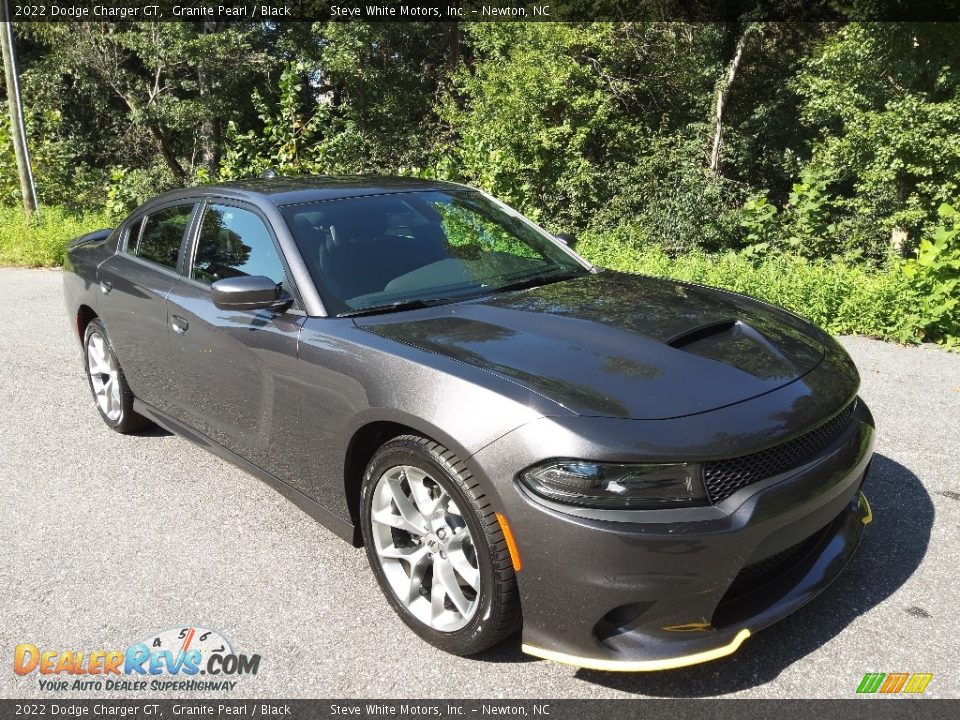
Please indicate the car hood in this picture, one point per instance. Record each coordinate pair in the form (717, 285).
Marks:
(617, 345)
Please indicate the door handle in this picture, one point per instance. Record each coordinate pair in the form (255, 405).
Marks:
(105, 286)
(179, 324)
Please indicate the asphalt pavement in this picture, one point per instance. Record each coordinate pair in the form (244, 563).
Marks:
(107, 539)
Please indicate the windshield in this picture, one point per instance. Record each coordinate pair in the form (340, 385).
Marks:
(384, 251)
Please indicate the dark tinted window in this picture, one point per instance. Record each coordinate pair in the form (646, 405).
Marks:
(235, 242)
(372, 252)
(162, 234)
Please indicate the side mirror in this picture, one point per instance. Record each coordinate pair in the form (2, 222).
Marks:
(248, 292)
(568, 239)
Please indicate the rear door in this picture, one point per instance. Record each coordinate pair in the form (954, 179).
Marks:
(135, 283)
(237, 370)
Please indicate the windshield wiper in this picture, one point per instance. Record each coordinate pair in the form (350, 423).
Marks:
(404, 305)
(535, 280)
(415, 304)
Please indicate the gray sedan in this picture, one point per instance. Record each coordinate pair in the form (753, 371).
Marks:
(640, 473)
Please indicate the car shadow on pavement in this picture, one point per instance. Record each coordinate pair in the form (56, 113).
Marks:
(154, 431)
(893, 547)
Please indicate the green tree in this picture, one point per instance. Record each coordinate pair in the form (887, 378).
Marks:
(360, 98)
(152, 99)
(883, 103)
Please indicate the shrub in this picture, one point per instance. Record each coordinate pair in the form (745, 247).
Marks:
(935, 273)
(42, 243)
(59, 177)
(840, 296)
(128, 188)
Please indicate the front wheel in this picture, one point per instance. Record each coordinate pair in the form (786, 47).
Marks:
(436, 547)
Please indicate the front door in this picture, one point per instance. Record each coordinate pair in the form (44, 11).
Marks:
(237, 370)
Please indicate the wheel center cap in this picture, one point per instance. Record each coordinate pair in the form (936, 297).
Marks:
(438, 541)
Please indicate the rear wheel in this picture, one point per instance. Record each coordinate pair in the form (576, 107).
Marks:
(109, 387)
(436, 547)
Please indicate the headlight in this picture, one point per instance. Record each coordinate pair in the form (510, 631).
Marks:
(609, 485)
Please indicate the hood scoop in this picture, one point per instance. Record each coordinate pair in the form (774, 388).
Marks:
(701, 332)
(736, 344)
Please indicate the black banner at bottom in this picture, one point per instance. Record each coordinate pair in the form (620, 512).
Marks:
(640, 709)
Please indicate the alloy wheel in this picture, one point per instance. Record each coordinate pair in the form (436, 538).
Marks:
(425, 548)
(104, 377)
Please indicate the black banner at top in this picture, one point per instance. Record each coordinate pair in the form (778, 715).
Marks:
(483, 11)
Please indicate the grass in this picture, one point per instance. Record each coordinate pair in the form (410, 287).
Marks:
(842, 297)
(42, 243)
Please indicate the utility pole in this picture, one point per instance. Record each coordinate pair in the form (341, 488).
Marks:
(18, 131)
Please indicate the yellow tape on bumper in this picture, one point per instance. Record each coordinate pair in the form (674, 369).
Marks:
(868, 511)
(639, 665)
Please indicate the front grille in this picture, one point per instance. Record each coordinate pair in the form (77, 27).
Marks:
(723, 478)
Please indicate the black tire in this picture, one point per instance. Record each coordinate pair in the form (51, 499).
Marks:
(128, 421)
(498, 614)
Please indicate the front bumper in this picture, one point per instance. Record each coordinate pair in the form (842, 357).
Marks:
(651, 590)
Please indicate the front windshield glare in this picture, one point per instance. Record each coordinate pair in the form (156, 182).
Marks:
(385, 250)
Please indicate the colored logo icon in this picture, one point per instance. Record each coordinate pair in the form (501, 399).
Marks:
(894, 683)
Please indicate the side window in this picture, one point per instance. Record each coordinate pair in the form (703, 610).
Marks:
(161, 235)
(234, 242)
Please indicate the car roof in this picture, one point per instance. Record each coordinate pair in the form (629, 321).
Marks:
(293, 190)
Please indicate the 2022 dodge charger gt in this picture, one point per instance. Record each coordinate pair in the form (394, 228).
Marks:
(650, 470)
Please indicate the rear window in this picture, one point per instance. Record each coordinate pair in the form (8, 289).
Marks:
(160, 235)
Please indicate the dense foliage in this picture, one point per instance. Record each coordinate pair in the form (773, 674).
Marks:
(804, 163)
(840, 297)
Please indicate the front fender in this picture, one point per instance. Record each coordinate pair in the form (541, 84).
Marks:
(351, 378)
